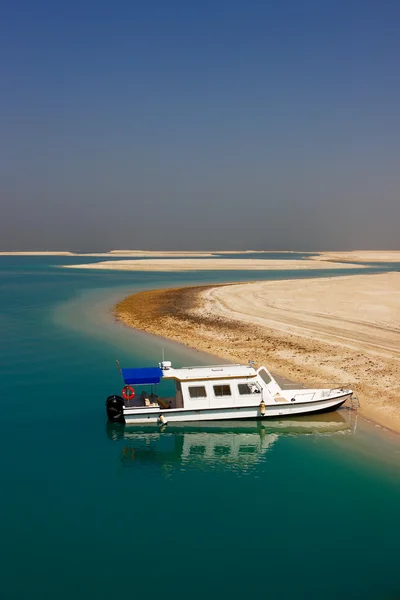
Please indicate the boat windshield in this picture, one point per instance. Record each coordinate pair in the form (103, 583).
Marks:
(265, 376)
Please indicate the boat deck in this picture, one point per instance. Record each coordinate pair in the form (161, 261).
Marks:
(151, 400)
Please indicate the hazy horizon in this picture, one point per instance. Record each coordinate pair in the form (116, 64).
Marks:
(111, 251)
(176, 126)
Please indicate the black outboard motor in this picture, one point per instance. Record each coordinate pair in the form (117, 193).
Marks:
(115, 409)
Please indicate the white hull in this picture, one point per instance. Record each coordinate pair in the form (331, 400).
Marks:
(181, 415)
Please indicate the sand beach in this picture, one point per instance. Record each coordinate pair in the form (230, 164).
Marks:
(355, 256)
(212, 264)
(339, 330)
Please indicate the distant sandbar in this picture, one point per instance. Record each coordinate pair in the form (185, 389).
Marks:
(355, 256)
(212, 264)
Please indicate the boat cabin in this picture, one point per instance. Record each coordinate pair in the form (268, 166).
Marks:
(215, 392)
(197, 388)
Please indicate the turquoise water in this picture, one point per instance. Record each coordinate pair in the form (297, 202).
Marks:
(303, 509)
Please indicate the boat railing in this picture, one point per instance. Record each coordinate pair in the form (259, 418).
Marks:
(327, 385)
(305, 393)
(326, 392)
(212, 366)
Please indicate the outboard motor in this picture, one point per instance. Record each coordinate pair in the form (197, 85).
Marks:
(115, 409)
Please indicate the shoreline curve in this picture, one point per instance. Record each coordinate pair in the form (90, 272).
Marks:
(202, 317)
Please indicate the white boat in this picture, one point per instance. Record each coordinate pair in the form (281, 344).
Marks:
(215, 393)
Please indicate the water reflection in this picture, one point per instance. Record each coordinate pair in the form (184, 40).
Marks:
(217, 444)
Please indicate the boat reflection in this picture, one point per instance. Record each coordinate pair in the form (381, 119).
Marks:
(218, 443)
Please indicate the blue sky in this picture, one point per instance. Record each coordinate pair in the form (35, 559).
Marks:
(203, 125)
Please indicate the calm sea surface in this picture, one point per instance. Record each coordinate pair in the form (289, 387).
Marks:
(307, 508)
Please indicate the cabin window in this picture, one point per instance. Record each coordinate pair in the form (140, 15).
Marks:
(198, 391)
(264, 376)
(222, 390)
(248, 388)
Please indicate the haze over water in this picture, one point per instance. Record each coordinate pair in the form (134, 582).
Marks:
(286, 509)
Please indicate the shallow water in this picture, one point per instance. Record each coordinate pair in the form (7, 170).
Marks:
(306, 508)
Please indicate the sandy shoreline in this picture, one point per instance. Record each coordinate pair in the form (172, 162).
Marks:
(200, 258)
(356, 256)
(326, 331)
(212, 264)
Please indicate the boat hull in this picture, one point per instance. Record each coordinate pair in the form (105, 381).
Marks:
(152, 415)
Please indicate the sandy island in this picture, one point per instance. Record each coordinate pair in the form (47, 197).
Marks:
(116, 253)
(355, 256)
(142, 253)
(211, 264)
(352, 256)
(339, 330)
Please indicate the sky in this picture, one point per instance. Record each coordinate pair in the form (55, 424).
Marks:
(203, 125)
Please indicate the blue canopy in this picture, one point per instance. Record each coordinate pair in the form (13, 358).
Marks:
(142, 376)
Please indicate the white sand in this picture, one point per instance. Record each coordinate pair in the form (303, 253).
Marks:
(350, 256)
(196, 252)
(211, 264)
(361, 256)
(357, 310)
(344, 329)
(158, 253)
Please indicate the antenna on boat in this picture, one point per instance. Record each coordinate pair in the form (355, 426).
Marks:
(163, 355)
(119, 367)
